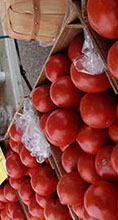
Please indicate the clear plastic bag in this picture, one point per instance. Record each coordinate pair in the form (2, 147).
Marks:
(89, 61)
(32, 138)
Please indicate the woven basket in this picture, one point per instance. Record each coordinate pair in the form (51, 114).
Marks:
(38, 20)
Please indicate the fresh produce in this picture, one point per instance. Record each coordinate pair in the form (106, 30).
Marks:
(42, 200)
(103, 17)
(35, 210)
(14, 134)
(113, 132)
(43, 120)
(112, 59)
(89, 83)
(2, 196)
(14, 145)
(16, 183)
(75, 47)
(9, 153)
(79, 209)
(10, 193)
(26, 192)
(30, 217)
(114, 158)
(87, 216)
(98, 110)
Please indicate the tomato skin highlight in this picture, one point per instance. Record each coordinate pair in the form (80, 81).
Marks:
(75, 47)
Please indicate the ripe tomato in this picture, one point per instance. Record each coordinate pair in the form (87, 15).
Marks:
(91, 139)
(70, 157)
(41, 99)
(12, 207)
(112, 60)
(86, 168)
(103, 163)
(14, 145)
(55, 210)
(14, 134)
(89, 83)
(79, 209)
(9, 153)
(42, 200)
(15, 168)
(62, 126)
(16, 183)
(43, 120)
(100, 201)
(19, 214)
(75, 47)
(113, 132)
(57, 65)
(71, 188)
(87, 216)
(4, 215)
(114, 158)
(98, 110)
(30, 217)
(103, 17)
(10, 193)
(35, 210)
(2, 197)
(2, 205)
(27, 159)
(44, 180)
(64, 94)
(26, 191)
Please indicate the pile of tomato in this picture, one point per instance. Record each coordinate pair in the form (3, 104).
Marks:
(103, 18)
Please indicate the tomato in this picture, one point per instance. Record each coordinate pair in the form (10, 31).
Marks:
(27, 159)
(114, 158)
(100, 201)
(89, 83)
(26, 191)
(42, 200)
(14, 134)
(113, 132)
(70, 157)
(12, 207)
(75, 47)
(41, 99)
(2, 205)
(14, 145)
(9, 153)
(86, 168)
(10, 193)
(4, 215)
(15, 168)
(30, 217)
(98, 110)
(103, 163)
(91, 139)
(35, 209)
(71, 188)
(87, 216)
(2, 197)
(44, 180)
(112, 60)
(79, 209)
(26, 202)
(63, 93)
(55, 210)
(62, 126)
(19, 214)
(103, 17)
(57, 65)
(16, 183)
(43, 120)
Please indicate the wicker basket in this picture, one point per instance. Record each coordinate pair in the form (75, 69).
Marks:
(38, 20)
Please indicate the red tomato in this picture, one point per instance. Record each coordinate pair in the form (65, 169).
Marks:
(10, 193)
(12, 207)
(4, 215)
(64, 94)
(103, 163)
(2, 205)
(42, 200)
(86, 168)
(70, 157)
(114, 158)
(113, 132)
(19, 214)
(91, 139)
(43, 120)
(98, 110)
(2, 197)
(9, 153)
(75, 47)
(35, 209)
(104, 18)
(26, 202)
(44, 180)
(16, 183)
(14, 145)
(89, 83)
(55, 210)
(15, 136)
(87, 216)
(112, 60)
(79, 209)
(27, 159)
(57, 65)
(30, 217)
(26, 191)
(100, 201)
(41, 99)
(71, 188)
(15, 168)
(62, 126)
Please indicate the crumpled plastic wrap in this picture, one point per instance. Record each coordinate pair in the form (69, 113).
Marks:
(89, 61)
(33, 138)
